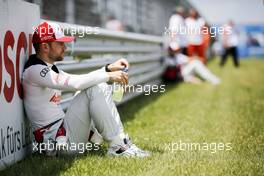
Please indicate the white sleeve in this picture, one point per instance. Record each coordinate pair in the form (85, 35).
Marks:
(174, 23)
(182, 59)
(201, 22)
(171, 22)
(46, 77)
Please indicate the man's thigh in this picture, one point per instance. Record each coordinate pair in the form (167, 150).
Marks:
(188, 71)
(77, 119)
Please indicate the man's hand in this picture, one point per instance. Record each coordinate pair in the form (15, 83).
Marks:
(118, 65)
(118, 76)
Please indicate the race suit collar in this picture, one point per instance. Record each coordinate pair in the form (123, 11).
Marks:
(34, 60)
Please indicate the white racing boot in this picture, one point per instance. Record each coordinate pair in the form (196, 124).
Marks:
(128, 149)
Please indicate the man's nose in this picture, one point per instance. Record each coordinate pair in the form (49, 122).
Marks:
(64, 46)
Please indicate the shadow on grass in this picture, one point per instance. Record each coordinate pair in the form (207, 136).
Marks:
(36, 164)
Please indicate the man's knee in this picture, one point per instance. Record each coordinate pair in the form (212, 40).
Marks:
(102, 88)
(195, 63)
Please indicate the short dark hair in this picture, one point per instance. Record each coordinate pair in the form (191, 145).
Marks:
(36, 47)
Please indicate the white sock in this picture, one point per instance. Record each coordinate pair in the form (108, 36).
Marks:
(117, 140)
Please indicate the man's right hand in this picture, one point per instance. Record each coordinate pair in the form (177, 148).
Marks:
(118, 76)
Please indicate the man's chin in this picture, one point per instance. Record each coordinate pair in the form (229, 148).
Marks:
(59, 59)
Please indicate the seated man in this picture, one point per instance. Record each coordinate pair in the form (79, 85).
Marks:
(92, 114)
(186, 67)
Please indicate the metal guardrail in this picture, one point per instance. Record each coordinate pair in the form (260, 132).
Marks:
(96, 50)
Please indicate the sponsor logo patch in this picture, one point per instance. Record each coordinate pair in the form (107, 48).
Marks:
(44, 71)
(55, 98)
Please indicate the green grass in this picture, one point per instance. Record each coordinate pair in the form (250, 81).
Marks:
(230, 113)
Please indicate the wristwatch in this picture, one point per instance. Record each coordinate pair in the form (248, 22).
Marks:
(106, 68)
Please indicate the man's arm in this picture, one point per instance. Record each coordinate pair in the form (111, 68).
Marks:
(46, 77)
(183, 59)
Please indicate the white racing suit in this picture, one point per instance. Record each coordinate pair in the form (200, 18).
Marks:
(42, 85)
(191, 68)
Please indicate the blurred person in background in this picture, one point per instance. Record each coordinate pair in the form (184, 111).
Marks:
(114, 24)
(178, 28)
(229, 41)
(206, 38)
(195, 38)
(182, 67)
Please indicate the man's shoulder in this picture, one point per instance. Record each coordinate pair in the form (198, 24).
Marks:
(35, 66)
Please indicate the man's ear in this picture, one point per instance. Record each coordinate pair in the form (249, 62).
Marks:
(45, 47)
